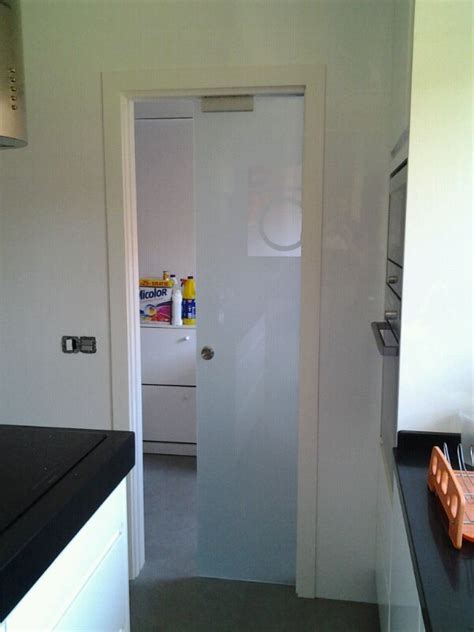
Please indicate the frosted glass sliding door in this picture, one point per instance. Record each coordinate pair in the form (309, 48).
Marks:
(248, 218)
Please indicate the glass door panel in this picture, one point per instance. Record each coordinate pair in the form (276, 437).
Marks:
(248, 220)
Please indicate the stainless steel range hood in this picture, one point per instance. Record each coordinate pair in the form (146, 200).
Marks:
(12, 98)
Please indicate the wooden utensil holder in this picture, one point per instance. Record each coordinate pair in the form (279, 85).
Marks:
(455, 490)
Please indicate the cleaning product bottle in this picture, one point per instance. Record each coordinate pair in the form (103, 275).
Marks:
(189, 301)
(177, 299)
(173, 280)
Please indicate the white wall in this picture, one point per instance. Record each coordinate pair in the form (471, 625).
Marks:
(54, 236)
(165, 213)
(436, 362)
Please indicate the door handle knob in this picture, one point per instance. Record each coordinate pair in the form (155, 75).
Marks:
(391, 315)
(207, 353)
(392, 280)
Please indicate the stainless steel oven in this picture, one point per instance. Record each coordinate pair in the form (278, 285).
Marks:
(387, 332)
(396, 215)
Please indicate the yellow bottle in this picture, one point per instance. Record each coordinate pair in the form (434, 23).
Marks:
(189, 301)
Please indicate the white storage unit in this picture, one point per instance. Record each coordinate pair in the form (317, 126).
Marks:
(169, 389)
(397, 593)
(168, 356)
(169, 413)
(383, 544)
(405, 610)
(86, 587)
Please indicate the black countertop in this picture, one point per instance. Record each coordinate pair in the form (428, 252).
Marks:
(444, 575)
(51, 482)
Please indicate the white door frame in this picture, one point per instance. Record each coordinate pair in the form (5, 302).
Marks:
(120, 90)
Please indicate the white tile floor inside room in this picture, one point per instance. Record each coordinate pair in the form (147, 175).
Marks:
(169, 597)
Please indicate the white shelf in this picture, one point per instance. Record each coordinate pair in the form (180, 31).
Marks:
(166, 326)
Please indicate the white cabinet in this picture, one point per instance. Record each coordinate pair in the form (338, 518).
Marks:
(169, 389)
(383, 544)
(86, 587)
(168, 356)
(405, 611)
(397, 594)
(101, 598)
(169, 413)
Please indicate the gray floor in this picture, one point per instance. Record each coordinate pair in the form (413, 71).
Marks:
(168, 597)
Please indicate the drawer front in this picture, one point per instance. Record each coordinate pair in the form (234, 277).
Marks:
(384, 519)
(54, 594)
(169, 413)
(168, 356)
(395, 278)
(102, 604)
(404, 601)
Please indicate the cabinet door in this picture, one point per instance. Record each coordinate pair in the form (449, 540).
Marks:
(87, 581)
(405, 611)
(168, 356)
(100, 603)
(383, 544)
(169, 413)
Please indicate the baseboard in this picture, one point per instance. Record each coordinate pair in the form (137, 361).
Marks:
(179, 449)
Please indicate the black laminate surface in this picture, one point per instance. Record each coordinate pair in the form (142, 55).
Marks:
(51, 482)
(444, 575)
(45, 457)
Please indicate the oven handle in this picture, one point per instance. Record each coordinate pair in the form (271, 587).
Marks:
(385, 350)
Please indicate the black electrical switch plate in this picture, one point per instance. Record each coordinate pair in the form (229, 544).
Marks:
(70, 344)
(87, 344)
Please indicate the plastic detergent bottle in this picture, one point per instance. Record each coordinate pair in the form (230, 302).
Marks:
(173, 280)
(177, 306)
(189, 301)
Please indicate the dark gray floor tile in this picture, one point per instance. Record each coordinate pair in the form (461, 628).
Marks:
(169, 597)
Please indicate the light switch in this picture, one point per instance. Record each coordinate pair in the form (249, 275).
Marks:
(87, 344)
(70, 344)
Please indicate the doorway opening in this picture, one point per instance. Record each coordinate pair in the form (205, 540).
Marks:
(164, 141)
(121, 92)
(218, 183)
